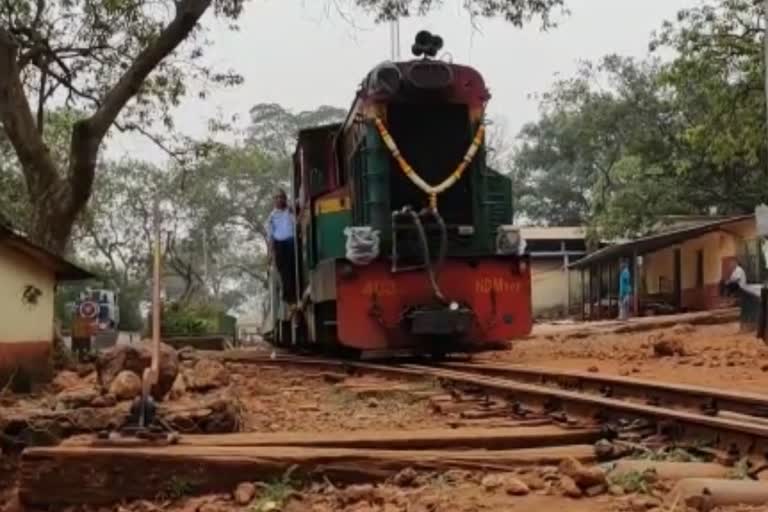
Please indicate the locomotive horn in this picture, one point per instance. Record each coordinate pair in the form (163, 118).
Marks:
(426, 44)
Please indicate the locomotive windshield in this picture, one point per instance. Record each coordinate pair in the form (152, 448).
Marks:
(432, 137)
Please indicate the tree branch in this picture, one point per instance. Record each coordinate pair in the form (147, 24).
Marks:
(19, 124)
(158, 141)
(41, 101)
(188, 12)
(87, 134)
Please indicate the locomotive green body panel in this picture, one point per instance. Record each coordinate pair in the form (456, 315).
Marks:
(490, 201)
(330, 238)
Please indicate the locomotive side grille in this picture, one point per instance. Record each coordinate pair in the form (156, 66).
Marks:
(433, 138)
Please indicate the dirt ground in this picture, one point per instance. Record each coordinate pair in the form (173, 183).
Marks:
(280, 399)
(706, 355)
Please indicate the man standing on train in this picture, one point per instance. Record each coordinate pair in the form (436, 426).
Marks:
(281, 247)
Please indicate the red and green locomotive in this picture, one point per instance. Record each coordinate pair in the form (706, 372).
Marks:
(403, 235)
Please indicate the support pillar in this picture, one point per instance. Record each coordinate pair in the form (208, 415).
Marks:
(636, 282)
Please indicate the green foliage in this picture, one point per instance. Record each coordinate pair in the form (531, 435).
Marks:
(178, 320)
(517, 12)
(671, 454)
(276, 493)
(742, 470)
(625, 143)
(176, 488)
(635, 481)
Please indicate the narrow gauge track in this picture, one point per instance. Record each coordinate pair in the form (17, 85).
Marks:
(734, 422)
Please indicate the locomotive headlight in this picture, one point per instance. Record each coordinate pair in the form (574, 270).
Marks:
(509, 240)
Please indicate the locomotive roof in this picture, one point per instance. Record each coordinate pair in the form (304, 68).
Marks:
(329, 127)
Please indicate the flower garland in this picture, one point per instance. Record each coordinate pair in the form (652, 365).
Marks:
(431, 191)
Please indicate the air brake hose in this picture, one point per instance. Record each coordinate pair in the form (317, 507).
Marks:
(425, 251)
(443, 238)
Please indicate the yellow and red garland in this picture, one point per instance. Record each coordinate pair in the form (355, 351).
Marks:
(430, 190)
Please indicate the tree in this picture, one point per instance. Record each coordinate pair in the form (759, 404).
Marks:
(273, 128)
(687, 136)
(130, 62)
(567, 161)
(119, 44)
(717, 86)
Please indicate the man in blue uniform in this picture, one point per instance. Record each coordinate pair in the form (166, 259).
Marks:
(281, 244)
(625, 291)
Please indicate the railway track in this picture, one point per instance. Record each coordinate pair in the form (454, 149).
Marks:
(734, 423)
(537, 416)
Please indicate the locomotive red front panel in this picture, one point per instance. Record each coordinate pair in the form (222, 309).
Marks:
(372, 300)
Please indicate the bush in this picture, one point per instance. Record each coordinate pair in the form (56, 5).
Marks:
(188, 321)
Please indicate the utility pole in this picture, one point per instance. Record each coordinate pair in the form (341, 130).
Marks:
(765, 59)
(205, 261)
(394, 39)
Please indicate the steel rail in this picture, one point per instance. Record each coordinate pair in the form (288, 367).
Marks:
(708, 400)
(740, 433)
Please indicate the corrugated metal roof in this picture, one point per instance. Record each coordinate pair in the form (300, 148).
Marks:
(64, 270)
(553, 233)
(657, 241)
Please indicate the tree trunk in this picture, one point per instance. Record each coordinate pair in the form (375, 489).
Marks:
(59, 195)
(765, 59)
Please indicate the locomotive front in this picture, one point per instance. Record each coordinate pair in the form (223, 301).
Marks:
(433, 262)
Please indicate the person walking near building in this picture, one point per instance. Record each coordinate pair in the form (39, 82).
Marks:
(625, 291)
(281, 247)
(737, 280)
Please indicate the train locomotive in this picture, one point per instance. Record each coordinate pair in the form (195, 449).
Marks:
(403, 232)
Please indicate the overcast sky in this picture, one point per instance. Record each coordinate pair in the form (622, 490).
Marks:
(301, 54)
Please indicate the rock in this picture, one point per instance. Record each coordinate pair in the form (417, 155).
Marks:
(549, 473)
(492, 482)
(698, 362)
(643, 503)
(683, 329)
(187, 353)
(210, 507)
(623, 372)
(593, 369)
(66, 380)
(584, 476)
(764, 367)
(507, 482)
(107, 400)
(569, 487)
(207, 374)
(179, 387)
(516, 487)
(405, 478)
(76, 398)
(125, 386)
(595, 490)
(616, 490)
(355, 493)
(534, 482)
(668, 347)
(604, 449)
(135, 358)
(244, 493)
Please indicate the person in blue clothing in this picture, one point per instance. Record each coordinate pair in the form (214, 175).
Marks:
(280, 228)
(625, 291)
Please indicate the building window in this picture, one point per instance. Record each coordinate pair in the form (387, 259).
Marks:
(699, 268)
